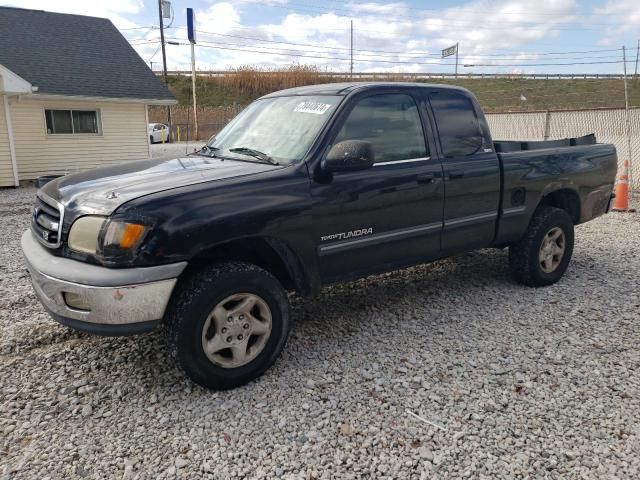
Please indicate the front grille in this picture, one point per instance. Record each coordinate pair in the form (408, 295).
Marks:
(46, 221)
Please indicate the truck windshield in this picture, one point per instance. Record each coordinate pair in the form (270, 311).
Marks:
(283, 128)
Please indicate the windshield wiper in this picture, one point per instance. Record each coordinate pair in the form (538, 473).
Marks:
(254, 153)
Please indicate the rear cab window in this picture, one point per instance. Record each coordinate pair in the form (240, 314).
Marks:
(457, 124)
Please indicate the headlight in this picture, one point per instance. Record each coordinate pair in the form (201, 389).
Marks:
(106, 239)
(84, 234)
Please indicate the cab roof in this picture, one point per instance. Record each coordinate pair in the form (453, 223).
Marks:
(345, 88)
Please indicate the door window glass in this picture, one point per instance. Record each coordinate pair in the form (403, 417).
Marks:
(390, 123)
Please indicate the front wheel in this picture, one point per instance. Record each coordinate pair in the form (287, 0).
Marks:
(542, 255)
(227, 324)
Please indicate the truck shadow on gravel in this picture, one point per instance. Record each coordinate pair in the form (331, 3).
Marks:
(466, 273)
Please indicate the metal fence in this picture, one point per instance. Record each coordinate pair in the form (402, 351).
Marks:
(210, 120)
(609, 126)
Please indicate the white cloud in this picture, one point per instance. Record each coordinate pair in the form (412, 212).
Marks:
(222, 15)
(480, 26)
(378, 8)
(114, 10)
(627, 16)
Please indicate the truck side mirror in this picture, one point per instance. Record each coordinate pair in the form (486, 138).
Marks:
(349, 156)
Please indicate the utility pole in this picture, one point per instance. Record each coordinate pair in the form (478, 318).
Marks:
(351, 70)
(635, 74)
(457, 47)
(164, 58)
(628, 115)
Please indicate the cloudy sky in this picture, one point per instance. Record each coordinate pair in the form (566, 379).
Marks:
(402, 36)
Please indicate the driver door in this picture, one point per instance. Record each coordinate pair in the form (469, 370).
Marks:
(389, 215)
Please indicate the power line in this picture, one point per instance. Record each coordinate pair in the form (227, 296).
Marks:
(401, 62)
(273, 49)
(344, 31)
(154, 53)
(137, 28)
(143, 41)
(204, 45)
(539, 64)
(421, 53)
(364, 53)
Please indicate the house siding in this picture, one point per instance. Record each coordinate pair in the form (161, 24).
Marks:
(123, 137)
(6, 168)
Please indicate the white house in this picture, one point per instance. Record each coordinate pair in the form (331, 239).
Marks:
(73, 95)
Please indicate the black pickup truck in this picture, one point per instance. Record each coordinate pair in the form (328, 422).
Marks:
(305, 187)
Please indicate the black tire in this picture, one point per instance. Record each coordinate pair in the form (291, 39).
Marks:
(524, 260)
(151, 139)
(193, 301)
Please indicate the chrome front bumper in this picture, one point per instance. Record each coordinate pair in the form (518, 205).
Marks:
(118, 301)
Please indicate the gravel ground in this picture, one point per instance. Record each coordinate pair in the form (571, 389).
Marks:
(510, 382)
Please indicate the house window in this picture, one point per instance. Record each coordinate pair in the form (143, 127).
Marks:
(72, 122)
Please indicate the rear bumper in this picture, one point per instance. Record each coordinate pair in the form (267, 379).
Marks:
(116, 301)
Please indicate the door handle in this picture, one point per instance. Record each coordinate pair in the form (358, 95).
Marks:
(454, 176)
(426, 178)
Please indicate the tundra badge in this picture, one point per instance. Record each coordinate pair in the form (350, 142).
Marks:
(345, 235)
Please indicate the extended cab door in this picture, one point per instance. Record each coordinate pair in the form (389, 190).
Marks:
(390, 214)
(471, 172)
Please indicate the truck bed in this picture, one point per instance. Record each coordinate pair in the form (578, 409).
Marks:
(505, 146)
(530, 170)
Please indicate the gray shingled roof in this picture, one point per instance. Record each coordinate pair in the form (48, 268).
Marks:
(74, 55)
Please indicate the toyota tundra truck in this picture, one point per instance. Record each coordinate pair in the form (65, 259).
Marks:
(305, 187)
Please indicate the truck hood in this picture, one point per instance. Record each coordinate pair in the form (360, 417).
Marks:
(103, 190)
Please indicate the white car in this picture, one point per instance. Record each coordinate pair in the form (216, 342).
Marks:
(157, 131)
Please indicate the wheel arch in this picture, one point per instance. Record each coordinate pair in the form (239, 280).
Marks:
(566, 199)
(269, 253)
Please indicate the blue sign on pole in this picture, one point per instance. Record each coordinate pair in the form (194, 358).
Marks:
(191, 25)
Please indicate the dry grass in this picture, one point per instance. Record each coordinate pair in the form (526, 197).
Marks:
(249, 81)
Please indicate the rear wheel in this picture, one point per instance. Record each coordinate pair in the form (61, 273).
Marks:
(150, 138)
(542, 255)
(227, 324)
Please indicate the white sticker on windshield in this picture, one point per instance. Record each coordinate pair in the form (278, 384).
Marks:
(312, 107)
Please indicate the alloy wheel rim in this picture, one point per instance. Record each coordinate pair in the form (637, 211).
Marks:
(552, 250)
(236, 330)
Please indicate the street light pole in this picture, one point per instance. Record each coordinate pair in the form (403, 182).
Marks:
(193, 87)
(351, 69)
